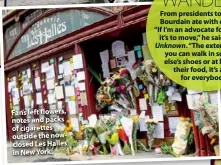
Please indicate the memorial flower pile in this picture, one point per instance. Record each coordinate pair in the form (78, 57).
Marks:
(151, 125)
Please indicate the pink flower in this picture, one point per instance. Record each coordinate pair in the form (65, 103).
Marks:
(158, 150)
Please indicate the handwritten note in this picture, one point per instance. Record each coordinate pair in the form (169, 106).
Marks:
(78, 61)
(104, 57)
(39, 98)
(142, 125)
(59, 92)
(72, 107)
(81, 76)
(50, 73)
(67, 68)
(69, 91)
(159, 131)
(37, 83)
(173, 121)
(118, 48)
(143, 104)
(214, 98)
(50, 84)
(157, 112)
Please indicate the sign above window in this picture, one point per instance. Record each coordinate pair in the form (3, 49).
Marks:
(53, 27)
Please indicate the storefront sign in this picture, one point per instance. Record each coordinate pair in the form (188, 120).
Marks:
(53, 27)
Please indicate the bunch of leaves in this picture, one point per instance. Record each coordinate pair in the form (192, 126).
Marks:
(71, 142)
(99, 130)
(167, 149)
(134, 136)
(141, 146)
(89, 133)
(96, 76)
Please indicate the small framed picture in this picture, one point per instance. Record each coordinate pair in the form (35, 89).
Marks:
(122, 61)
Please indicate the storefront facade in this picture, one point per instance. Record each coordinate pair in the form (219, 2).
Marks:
(25, 51)
(44, 47)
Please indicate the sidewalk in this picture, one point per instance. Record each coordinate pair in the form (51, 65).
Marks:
(62, 157)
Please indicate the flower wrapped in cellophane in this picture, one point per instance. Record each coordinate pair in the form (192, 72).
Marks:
(135, 119)
(112, 136)
(181, 135)
(151, 125)
(101, 135)
(124, 138)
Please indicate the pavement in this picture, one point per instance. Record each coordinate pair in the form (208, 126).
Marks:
(63, 157)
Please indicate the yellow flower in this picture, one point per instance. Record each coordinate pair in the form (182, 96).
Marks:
(182, 119)
(135, 118)
(84, 148)
(166, 108)
(154, 70)
(116, 77)
(82, 128)
(68, 122)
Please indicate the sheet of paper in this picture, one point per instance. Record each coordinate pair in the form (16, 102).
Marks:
(60, 105)
(157, 112)
(37, 83)
(159, 131)
(142, 125)
(27, 101)
(176, 97)
(69, 91)
(173, 121)
(191, 92)
(72, 107)
(39, 98)
(44, 67)
(59, 92)
(92, 120)
(131, 57)
(60, 68)
(192, 100)
(81, 86)
(67, 68)
(83, 96)
(75, 123)
(50, 73)
(104, 56)
(143, 104)
(78, 61)
(15, 101)
(80, 76)
(214, 98)
(133, 112)
(51, 98)
(142, 114)
(118, 48)
(144, 38)
(29, 73)
(50, 84)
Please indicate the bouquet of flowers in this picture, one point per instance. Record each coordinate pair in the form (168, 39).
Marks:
(128, 128)
(182, 133)
(101, 135)
(167, 149)
(135, 124)
(112, 136)
(123, 137)
(89, 131)
(151, 124)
